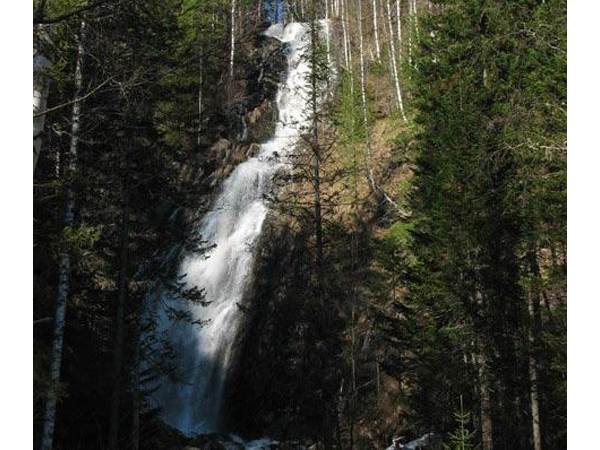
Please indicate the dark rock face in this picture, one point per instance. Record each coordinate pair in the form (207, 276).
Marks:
(253, 114)
(233, 131)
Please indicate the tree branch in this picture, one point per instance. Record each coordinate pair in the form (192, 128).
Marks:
(72, 101)
(61, 17)
(45, 319)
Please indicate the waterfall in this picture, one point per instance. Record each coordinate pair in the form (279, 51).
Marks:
(234, 225)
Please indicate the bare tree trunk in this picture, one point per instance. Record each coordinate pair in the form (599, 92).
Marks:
(410, 32)
(345, 38)
(353, 364)
(64, 270)
(363, 94)
(414, 32)
(416, 20)
(377, 47)
(534, 387)
(533, 306)
(485, 401)
(328, 45)
(399, 28)
(340, 413)
(362, 64)
(393, 58)
(316, 152)
(350, 61)
(41, 86)
(232, 58)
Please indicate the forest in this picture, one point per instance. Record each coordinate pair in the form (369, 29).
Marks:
(299, 224)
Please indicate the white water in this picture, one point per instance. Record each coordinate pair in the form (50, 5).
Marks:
(234, 225)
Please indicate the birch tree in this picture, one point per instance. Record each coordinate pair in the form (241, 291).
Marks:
(344, 36)
(41, 85)
(393, 58)
(377, 46)
(347, 44)
(232, 57)
(363, 97)
(410, 34)
(399, 28)
(64, 269)
(327, 39)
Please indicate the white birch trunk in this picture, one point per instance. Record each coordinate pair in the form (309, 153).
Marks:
(64, 269)
(410, 34)
(350, 63)
(393, 57)
(377, 47)
(399, 28)
(363, 95)
(415, 29)
(362, 64)
(232, 58)
(41, 87)
(327, 43)
(345, 37)
(416, 20)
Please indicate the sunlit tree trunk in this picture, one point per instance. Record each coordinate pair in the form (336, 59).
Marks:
(362, 64)
(232, 57)
(414, 32)
(345, 37)
(64, 269)
(393, 58)
(399, 28)
(416, 20)
(363, 96)
(377, 46)
(345, 20)
(410, 32)
(327, 43)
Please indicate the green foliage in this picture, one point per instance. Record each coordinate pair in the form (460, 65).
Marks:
(489, 192)
(348, 118)
(461, 438)
(80, 239)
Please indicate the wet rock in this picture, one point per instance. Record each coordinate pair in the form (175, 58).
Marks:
(221, 149)
(253, 150)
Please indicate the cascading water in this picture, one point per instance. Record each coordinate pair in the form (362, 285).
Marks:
(234, 225)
